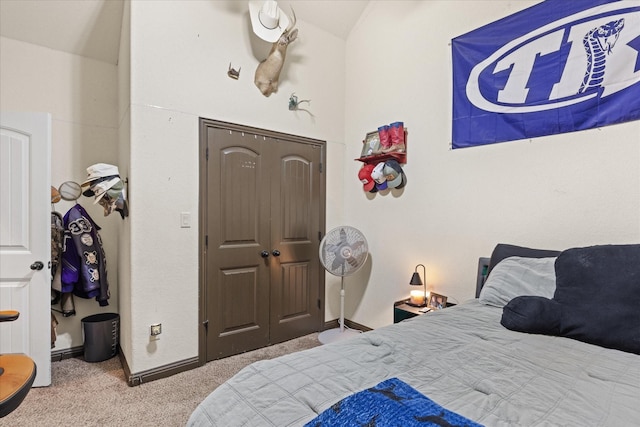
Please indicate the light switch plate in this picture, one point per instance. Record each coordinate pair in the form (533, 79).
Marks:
(185, 219)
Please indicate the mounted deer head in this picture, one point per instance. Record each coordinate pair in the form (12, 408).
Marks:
(268, 71)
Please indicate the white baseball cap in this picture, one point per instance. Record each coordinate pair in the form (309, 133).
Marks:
(378, 173)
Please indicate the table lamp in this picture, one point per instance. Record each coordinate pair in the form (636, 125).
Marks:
(418, 298)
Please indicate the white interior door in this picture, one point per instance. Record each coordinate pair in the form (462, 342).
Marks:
(25, 234)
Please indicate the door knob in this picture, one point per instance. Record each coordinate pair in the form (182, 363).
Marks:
(38, 265)
(276, 252)
(264, 254)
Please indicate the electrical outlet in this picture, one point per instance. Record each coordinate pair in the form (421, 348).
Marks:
(156, 329)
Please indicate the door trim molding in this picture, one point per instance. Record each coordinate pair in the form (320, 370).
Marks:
(206, 123)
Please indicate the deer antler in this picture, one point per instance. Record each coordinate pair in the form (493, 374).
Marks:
(292, 21)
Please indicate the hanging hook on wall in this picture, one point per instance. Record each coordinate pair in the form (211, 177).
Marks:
(294, 104)
(234, 74)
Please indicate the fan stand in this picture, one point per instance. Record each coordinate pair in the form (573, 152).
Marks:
(338, 334)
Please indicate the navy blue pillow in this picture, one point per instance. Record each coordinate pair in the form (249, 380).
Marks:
(532, 314)
(597, 299)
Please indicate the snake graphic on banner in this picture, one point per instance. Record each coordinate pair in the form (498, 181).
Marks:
(598, 43)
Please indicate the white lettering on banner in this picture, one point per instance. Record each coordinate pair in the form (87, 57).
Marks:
(612, 51)
(522, 60)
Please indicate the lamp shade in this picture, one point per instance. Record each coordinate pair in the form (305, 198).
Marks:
(415, 279)
(418, 298)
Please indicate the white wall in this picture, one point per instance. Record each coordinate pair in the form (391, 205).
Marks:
(180, 54)
(554, 192)
(81, 96)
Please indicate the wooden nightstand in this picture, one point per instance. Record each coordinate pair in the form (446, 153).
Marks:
(403, 311)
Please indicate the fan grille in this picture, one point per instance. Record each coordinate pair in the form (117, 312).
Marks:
(343, 250)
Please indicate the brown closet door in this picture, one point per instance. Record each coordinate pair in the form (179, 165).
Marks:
(262, 279)
(295, 217)
(237, 227)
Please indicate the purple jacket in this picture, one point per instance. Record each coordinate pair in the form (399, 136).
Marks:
(84, 266)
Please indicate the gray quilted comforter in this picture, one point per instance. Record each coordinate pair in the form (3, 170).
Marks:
(460, 357)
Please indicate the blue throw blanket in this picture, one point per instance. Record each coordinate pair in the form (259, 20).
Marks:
(392, 403)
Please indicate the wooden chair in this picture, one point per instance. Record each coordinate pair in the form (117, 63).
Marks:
(17, 372)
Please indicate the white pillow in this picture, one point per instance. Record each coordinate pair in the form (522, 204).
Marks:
(515, 276)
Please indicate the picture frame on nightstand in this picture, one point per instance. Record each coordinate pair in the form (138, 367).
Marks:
(437, 301)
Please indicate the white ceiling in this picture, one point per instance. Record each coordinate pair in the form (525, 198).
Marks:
(91, 28)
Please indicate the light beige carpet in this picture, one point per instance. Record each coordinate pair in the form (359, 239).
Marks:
(96, 394)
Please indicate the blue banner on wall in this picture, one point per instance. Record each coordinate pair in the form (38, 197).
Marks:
(559, 66)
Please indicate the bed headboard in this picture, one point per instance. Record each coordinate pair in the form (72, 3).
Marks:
(483, 272)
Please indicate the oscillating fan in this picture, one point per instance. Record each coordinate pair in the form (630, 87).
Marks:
(343, 251)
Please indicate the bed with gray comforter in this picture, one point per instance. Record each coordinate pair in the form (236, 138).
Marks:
(461, 357)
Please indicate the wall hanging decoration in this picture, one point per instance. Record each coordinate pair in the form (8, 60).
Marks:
(70, 190)
(371, 145)
(559, 66)
(268, 21)
(233, 73)
(383, 153)
(294, 103)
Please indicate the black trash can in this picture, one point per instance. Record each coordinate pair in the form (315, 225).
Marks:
(101, 336)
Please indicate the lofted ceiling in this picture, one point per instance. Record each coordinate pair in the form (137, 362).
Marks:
(91, 28)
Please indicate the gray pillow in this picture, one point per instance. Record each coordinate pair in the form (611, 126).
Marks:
(516, 276)
(504, 250)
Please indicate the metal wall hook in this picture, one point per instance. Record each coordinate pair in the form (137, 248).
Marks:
(234, 74)
(294, 103)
